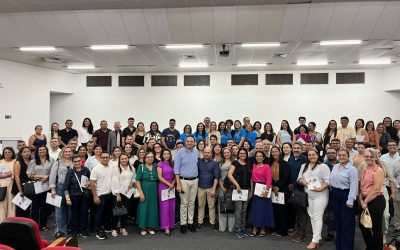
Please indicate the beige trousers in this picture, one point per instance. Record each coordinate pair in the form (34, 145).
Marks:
(202, 195)
(7, 208)
(188, 198)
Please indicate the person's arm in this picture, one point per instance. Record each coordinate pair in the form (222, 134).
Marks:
(162, 179)
(378, 183)
(163, 143)
(366, 137)
(217, 177)
(53, 178)
(242, 138)
(353, 176)
(278, 138)
(61, 142)
(232, 179)
(30, 142)
(17, 172)
(115, 183)
(377, 139)
(67, 185)
(93, 184)
(94, 137)
(300, 179)
(109, 147)
(177, 172)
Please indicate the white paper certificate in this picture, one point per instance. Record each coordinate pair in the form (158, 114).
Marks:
(41, 187)
(5, 169)
(240, 197)
(55, 202)
(313, 182)
(278, 198)
(22, 202)
(167, 194)
(260, 188)
(126, 191)
(84, 181)
(359, 138)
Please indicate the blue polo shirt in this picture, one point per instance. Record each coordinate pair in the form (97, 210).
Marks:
(199, 137)
(238, 134)
(208, 172)
(295, 166)
(183, 137)
(251, 137)
(225, 136)
(185, 163)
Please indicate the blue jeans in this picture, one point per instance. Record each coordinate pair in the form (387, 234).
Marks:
(63, 213)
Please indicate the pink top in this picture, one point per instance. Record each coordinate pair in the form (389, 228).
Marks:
(262, 174)
(367, 181)
(305, 137)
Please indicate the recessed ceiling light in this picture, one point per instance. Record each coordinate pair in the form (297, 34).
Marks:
(38, 48)
(183, 46)
(312, 63)
(375, 61)
(339, 42)
(81, 66)
(109, 47)
(260, 45)
(251, 65)
(193, 65)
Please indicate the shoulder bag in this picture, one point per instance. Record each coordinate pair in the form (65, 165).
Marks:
(226, 204)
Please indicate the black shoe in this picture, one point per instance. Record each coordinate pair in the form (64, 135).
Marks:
(192, 228)
(84, 234)
(101, 236)
(199, 226)
(74, 235)
(329, 237)
(213, 227)
(59, 235)
(183, 229)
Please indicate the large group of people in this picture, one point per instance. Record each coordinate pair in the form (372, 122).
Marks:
(162, 178)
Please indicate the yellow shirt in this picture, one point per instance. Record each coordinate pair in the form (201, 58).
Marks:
(344, 133)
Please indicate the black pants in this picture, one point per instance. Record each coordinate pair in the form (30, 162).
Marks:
(79, 213)
(280, 218)
(301, 219)
(374, 237)
(39, 209)
(19, 212)
(103, 213)
(92, 213)
(391, 207)
(122, 219)
(344, 219)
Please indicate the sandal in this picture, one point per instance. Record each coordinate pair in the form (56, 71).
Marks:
(262, 233)
(143, 233)
(312, 245)
(253, 233)
(151, 232)
(114, 233)
(124, 232)
(273, 234)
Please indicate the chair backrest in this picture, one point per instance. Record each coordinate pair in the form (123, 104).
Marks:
(20, 233)
(4, 247)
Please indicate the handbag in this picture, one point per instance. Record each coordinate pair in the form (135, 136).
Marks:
(29, 188)
(226, 204)
(3, 192)
(365, 219)
(298, 198)
(119, 211)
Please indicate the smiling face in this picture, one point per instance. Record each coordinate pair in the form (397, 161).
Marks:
(275, 153)
(166, 155)
(369, 158)
(343, 157)
(286, 149)
(312, 156)
(227, 153)
(259, 157)
(77, 162)
(38, 129)
(123, 160)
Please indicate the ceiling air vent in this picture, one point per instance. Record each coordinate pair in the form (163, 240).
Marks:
(98, 81)
(350, 78)
(314, 78)
(196, 80)
(244, 79)
(131, 81)
(161, 81)
(279, 79)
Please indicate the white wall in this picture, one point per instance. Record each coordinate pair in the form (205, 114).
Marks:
(221, 101)
(26, 96)
(392, 79)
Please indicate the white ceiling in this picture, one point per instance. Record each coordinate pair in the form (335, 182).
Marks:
(297, 26)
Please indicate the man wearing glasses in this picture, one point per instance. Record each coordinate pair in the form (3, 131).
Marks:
(186, 173)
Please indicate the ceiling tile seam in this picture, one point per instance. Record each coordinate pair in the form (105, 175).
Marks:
(102, 25)
(354, 19)
(377, 20)
(125, 27)
(305, 23)
(330, 20)
(282, 22)
(82, 29)
(236, 24)
(147, 25)
(52, 13)
(41, 31)
(259, 23)
(191, 22)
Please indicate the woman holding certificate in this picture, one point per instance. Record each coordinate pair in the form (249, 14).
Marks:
(262, 215)
(123, 175)
(146, 183)
(314, 176)
(280, 187)
(240, 176)
(166, 183)
(343, 193)
(7, 208)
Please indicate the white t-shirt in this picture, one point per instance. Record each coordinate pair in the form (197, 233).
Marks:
(54, 154)
(103, 176)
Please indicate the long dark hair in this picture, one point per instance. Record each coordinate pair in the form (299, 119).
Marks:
(20, 158)
(219, 127)
(289, 130)
(368, 123)
(308, 162)
(151, 125)
(37, 158)
(90, 128)
(51, 129)
(119, 163)
(170, 156)
(203, 133)
(326, 133)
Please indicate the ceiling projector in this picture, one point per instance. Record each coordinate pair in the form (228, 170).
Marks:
(225, 51)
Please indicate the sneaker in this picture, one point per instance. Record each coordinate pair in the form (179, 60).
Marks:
(299, 238)
(59, 235)
(107, 231)
(114, 233)
(199, 226)
(101, 236)
(292, 232)
(329, 237)
(84, 234)
(246, 233)
(213, 227)
(239, 234)
(124, 232)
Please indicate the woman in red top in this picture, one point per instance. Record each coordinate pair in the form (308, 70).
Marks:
(261, 211)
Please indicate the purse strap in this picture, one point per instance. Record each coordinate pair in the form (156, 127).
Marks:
(78, 181)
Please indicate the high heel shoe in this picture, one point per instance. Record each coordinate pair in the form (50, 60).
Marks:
(312, 245)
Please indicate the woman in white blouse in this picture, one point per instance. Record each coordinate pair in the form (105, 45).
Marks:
(85, 133)
(314, 176)
(122, 175)
(116, 153)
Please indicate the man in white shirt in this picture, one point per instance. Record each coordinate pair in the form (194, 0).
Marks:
(350, 148)
(100, 184)
(54, 149)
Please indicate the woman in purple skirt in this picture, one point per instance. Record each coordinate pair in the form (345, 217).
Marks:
(166, 179)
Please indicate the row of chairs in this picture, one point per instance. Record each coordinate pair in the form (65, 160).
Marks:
(18, 233)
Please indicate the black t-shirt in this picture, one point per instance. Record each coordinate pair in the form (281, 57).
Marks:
(170, 137)
(67, 135)
(242, 174)
(128, 131)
